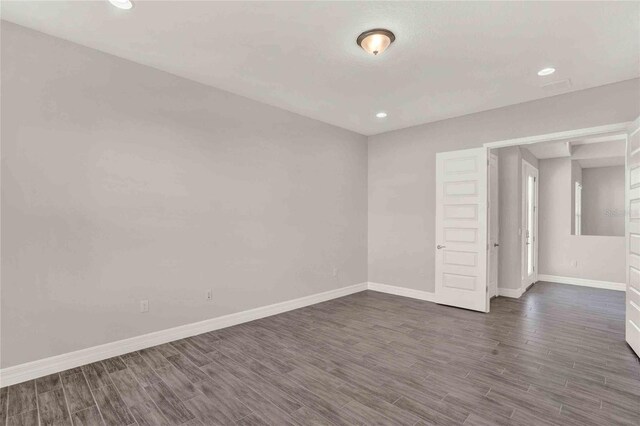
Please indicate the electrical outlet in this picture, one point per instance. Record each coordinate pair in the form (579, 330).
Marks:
(574, 263)
(144, 306)
(209, 295)
(335, 272)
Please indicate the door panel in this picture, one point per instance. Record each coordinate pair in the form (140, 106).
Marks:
(632, 324)
(461, 227)
(461, 258)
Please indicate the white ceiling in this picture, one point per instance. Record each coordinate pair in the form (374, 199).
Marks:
(588, 163)
(554, 149)
(449, 58)
(598, 151)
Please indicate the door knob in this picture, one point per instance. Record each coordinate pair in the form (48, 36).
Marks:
(496, 244)
(441, 247)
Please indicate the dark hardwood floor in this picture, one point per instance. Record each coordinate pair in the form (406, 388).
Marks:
(555, 356)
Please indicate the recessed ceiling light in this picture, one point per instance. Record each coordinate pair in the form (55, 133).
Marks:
(546, 71)
(375, 41)
(381, 114)
(122, 4)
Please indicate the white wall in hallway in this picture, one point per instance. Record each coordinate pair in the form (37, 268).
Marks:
(590, 257)
(603, 201)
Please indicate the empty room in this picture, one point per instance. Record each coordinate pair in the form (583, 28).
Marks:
(319, 213)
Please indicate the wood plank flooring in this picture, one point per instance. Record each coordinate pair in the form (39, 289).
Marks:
(556, 356)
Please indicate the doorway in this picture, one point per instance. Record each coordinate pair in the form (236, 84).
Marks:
(464, 238)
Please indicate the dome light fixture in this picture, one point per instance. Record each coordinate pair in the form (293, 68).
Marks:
(546, 71)
(122, 4)
(375, 41)
(381, 114)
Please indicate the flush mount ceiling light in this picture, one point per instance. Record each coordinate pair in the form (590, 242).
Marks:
(122, 4)
(381, 114)
(375, 41)
(546, 71)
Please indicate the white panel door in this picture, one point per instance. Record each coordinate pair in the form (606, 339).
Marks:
(633, 238)
(461, 229)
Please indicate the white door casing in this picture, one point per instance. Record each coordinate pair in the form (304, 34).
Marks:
(529, 234)
(632, 217)
(461, 229)
(494, 225)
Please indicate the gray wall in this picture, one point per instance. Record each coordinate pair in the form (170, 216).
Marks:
(603, 201)
(402, 170)
(509, 171)
(562, 254)
(121, 183)
(510, 187)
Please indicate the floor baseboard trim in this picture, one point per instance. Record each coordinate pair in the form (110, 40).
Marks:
(403, 291)
(608, 285)
(510, 292)
(42, 367)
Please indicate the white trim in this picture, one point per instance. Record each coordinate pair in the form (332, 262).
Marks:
(42, 367)
(525, 279)
(403, 291)
(609, 285)
(431, 296)
(577, 133)
(510, 292)
(491, 227)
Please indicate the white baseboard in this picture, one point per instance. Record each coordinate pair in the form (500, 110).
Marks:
(510, 292)
(608, 285)
(403, 291)
(31, 370)
(42, 367)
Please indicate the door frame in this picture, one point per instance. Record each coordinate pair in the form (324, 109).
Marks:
(548, 137)
(490, 207)
(525, 280)
(617, 128)
(631, 250)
